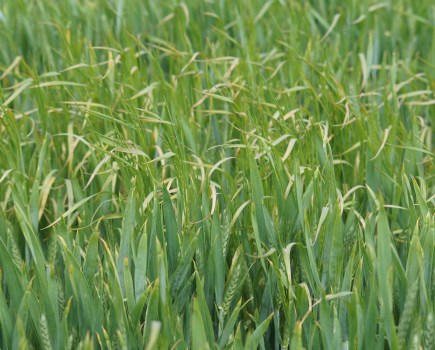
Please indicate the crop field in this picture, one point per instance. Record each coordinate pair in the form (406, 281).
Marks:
(218, 174)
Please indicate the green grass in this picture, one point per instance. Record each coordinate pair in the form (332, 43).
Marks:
(217, 174)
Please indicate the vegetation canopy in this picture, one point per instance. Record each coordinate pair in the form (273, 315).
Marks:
(221, 174)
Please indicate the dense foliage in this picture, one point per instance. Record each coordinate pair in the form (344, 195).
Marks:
(217, 174)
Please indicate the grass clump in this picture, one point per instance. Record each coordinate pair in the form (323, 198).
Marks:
(217, 174)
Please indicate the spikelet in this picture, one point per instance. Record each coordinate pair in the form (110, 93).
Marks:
(285, 337)
(249, 287)
(107, 340)
(296, 342)
(433, 282)
(52, 250)
(15, 251)
(88, 343)
(278, 300)
(295, 268)
(74, 338)
(121, 338)
(350, 237)
(231, 341)
(45, 338)
(199, 259)
(407, 314)
(60, 297)
(428, 342)
(415, 342)
(105, 303)
(226, 234)
(231, 289)
(22, 342)
(69, 344)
